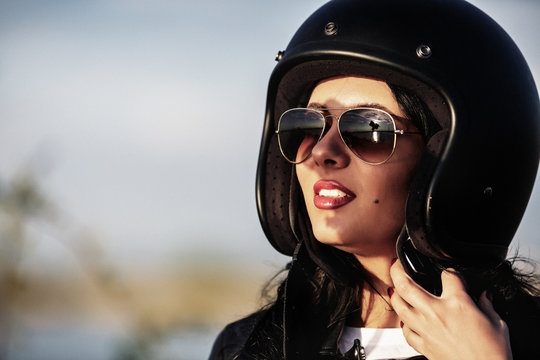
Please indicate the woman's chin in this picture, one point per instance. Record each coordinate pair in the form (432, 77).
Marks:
(343, 244)
(364, 248)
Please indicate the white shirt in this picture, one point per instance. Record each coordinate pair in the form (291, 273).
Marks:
(379, 344)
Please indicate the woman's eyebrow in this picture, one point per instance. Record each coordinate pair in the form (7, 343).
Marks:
(316, 105)
(377, 106)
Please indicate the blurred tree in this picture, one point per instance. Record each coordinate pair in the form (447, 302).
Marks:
(22, 204)
(153, 308)
(21, 201)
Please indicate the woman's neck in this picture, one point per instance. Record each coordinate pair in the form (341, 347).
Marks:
(378, 267)
(376, 311)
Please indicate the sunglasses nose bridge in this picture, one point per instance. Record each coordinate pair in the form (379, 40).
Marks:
(330, 144)
(329, 121)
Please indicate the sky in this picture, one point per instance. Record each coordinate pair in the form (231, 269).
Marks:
(141, 120)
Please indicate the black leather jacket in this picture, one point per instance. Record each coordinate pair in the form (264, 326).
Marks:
(307, 338)
(228, 345)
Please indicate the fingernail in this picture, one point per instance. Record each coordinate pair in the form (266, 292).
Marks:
(401, 324)
(390, 292)
(393, 261)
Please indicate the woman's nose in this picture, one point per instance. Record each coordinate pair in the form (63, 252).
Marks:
(331, 151)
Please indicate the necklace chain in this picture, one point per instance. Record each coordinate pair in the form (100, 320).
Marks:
(389, 308)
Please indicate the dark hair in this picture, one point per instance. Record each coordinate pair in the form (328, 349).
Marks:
(416, 110)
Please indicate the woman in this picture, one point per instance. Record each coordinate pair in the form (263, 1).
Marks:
(396, 130)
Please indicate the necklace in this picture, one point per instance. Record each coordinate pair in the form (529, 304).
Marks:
(389, 308)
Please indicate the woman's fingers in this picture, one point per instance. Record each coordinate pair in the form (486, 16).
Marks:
(405, 311)
(408, 289)
(487, 308)
(451, 283)
(413, 339)
(410, 300)
(485, 304)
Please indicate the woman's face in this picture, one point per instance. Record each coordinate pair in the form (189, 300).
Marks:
(368, 219)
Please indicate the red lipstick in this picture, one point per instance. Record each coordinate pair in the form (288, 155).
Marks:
(330, 194)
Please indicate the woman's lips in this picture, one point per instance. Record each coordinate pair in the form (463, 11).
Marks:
(330, 194)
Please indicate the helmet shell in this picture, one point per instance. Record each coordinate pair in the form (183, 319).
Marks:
(475, 178)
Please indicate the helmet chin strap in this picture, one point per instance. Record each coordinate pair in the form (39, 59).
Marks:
(424, 270)
(295, 198)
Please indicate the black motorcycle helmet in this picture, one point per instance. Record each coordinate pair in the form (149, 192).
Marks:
(475, 178)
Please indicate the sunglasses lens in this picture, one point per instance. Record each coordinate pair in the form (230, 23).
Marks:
(369, 133)
(298, 131)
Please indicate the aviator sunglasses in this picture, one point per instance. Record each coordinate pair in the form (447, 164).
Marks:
(370, 133)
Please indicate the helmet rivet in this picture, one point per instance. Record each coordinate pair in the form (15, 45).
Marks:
(488, 192)
(279, 55)
(423, 51)
(331, 29)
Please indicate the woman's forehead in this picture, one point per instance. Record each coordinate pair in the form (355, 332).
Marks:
(352, 91)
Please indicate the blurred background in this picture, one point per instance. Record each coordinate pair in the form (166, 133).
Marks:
(129, 134)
